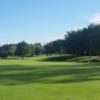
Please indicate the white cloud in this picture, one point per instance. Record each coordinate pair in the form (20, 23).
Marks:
(95, 18)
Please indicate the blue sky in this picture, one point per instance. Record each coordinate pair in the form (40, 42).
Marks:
(44, 20)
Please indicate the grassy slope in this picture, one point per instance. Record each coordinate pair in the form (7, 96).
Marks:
(34, 80)
(71, 58)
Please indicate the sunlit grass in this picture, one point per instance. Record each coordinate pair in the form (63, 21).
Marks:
(35, 79)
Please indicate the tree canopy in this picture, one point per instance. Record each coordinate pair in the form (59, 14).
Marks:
(85, 41)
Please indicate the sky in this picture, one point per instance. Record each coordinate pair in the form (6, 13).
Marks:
(44, 20)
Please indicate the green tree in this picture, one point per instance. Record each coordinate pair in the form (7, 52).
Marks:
(12, 49)
(31, 50)
(38, 49)
(4, 51)
(84, 42)
(22, 49)
(55, 47)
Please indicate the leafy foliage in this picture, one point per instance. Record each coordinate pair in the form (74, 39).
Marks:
(84, 42)
(55, 47)
(22, 49)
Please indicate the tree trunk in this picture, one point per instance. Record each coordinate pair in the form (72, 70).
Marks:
(22, 57)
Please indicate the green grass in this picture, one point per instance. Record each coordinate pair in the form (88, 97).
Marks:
(34, 79)
(71, 58)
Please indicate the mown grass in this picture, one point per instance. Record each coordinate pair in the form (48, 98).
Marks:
(35, 79)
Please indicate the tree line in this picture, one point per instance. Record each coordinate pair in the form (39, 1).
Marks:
(82, 42)
(21, 49)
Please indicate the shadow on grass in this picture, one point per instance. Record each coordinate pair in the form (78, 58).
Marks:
(59, 58)
(72, 58)
(51, 74)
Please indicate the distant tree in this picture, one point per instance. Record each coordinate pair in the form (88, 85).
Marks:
(49, 48)
(31, 50)
(22, 49)
(38, 49)
(4, 51)
(84, 42)
(55, 47)
(12, 49)
(59, 46)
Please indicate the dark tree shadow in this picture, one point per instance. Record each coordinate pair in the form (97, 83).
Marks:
(71, 58)
(59, 58)
(22, 74)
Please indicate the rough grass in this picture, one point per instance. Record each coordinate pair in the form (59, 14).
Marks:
(34, 79)
(86, 59)
(71, 58)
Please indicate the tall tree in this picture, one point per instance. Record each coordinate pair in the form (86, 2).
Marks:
(38, 49)
(55, 47)
(22, 49)
(84, 42)
(4, 53)
(12, 49)
(31, 50)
